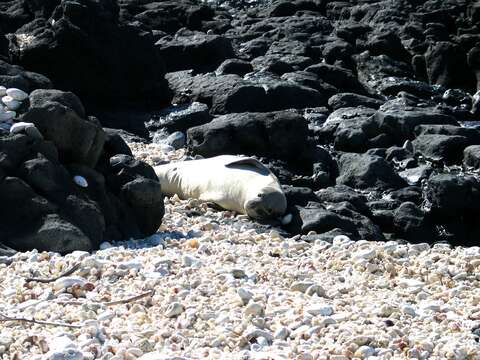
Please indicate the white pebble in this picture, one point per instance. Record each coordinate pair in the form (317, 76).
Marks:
(301, 286)
(17, 94)
(366, 254)
(409, 310)
(244, 295)
(80, 181)
(282, 333)
(174, 309)
(364, 352)
(287, 219)
(320, 309)
(68, 281)
(11, 103)
(3, 91)
(7, 115)
(254, 309)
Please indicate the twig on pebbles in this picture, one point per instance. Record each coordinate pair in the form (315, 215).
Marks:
(130, 299)
(4, 317)
(110, 303)
(70, 271)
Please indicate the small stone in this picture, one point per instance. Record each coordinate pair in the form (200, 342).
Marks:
(174, 309)
(254, 309)
(364, 352)
(17, 94)
(320, 309)
(80, 181)
(11, 103)
(301, 286)
(366, 254)
(409, 310)
(316, 290)
(3, 91)
(255, 333)
(408, 145)
(176, 140)
(287, 219)
(20, 127)
(282, 333)
(105, 245)
(68, 281)
(7, 115)
(244, 295)
(410, 283)
(238, 273)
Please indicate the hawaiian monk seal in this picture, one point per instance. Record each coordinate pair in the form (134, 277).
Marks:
(236, 183)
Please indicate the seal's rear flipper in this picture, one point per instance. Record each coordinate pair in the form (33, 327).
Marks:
(248, 161)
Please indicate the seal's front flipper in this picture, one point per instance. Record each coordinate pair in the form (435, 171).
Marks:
(212, 196)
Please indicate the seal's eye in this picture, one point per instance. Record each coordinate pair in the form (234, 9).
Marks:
(260, 195)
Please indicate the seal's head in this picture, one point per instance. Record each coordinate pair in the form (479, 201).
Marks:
(270, 203)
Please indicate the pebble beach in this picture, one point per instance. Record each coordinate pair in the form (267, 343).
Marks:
(211, 284)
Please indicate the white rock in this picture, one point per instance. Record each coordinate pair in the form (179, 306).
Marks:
(67, 354)
(282, 333)
(244, 295)
(409, 310)
(364, 352)
(11, 103)
(316, 290)
(7, 115)
(28, 128)
(105, 245)
(106, 315)
(287, 219)
(254, 309)
(3, 91)
(68, 281)
(366, 254)
(254, 333)
(410, 283)
(17, 94)
(320, 309)
(80, 181)
(301, 286)
(341, 239)
(174, 309)
(20, 127)
(63, 348)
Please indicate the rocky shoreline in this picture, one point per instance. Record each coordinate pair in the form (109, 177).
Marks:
(367, 112)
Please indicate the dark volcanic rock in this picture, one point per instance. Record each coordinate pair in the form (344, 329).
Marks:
(471, 156)
(447, 66)
(320, 220)
(277, 135)
(62, 126)
(449, 195)
(230, 93)
(344, 100)
(412, 224)
(440, 147)
(194, 50)
(16, 76)
(180, 118)
(234, 66)
(68, 99)
(400, 121)
(59, 191)
(84, 48)
(367, 172)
